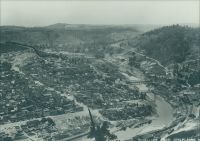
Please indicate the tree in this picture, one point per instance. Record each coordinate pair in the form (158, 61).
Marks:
(100, 133)
(106, 131)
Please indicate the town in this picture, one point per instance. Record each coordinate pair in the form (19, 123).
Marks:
(45, 92)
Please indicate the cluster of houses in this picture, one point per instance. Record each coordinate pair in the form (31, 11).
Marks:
(129, 111)
(21, 98)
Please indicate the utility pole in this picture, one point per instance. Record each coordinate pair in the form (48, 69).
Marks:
(95, 130)
(91, 119)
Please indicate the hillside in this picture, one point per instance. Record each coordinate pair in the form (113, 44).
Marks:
(58, 34)
(169, 44)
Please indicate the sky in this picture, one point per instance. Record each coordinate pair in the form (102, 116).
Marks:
(42, 13)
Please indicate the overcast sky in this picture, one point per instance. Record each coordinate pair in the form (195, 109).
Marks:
(41, 13)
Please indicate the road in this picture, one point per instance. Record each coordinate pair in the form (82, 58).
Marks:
(79, 136)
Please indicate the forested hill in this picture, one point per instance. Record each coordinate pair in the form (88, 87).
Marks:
(65, 34)
(170, 44)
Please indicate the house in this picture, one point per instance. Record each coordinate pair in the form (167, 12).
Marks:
(33, 123)
(46, 112)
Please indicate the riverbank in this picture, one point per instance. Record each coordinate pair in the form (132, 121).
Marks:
(163, 119)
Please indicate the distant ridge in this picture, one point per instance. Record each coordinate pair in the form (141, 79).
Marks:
(59, 26)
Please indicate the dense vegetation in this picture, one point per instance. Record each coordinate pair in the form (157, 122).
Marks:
(169, 44)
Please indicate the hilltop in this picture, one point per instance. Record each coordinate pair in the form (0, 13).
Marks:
(169, 44)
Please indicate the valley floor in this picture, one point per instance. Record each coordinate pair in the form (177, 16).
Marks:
(76, 119)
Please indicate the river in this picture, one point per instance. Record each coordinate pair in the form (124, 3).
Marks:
(163, 119)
